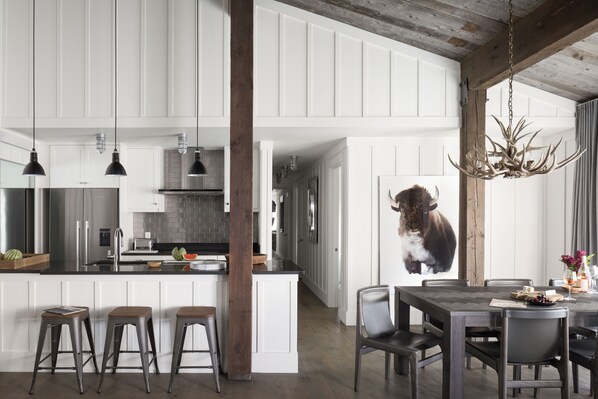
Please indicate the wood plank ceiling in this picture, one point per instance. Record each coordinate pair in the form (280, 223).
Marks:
(456, 28)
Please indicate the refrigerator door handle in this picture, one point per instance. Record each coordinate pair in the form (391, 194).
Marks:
(87, 242)
(77, 242)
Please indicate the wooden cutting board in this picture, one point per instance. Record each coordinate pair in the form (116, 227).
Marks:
(28, 260)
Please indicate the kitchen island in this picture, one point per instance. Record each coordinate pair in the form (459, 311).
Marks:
(24, 293)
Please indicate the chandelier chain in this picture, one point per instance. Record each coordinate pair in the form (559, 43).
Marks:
(510, 64)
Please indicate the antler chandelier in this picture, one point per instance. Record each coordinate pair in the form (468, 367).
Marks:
(513, 157)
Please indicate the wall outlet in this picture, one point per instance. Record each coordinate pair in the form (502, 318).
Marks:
(148, 234)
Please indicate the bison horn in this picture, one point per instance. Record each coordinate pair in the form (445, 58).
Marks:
(434, 200)
(392, 201)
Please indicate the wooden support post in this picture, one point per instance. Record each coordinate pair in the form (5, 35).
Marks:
(241, 207)
(471, 191)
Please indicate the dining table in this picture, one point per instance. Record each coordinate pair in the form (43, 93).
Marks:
(461, 307)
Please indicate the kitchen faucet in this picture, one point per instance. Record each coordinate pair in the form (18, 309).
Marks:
(118, 236)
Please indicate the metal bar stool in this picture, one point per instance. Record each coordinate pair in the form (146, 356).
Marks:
(185, 317)
(55, 322)
(141, 318)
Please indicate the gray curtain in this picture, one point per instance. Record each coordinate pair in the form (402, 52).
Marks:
(585, 215)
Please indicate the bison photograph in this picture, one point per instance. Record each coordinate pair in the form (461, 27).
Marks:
(425, 234)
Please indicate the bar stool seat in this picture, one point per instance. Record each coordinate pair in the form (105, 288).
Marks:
(141, 318)
(55, 321)
(185, 317)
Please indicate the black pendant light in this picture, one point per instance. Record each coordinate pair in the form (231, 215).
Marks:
(198, 168)
(33, 168)
(115, 168)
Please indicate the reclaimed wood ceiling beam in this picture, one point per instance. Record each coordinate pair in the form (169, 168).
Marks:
(548, 29)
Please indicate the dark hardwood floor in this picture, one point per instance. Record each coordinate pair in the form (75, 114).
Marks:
(326, 359)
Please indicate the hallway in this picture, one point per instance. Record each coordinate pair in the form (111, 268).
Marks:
(326, 359)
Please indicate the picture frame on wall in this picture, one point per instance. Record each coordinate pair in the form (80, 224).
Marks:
(312, 209)
(419, 220)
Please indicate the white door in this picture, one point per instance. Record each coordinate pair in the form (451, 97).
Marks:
(335, 256)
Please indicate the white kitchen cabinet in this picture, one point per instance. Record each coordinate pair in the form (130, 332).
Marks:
(144, 170)
(77, 166)
(256, 179)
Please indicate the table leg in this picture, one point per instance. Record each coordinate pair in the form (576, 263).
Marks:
(453, 349)
(402, 314)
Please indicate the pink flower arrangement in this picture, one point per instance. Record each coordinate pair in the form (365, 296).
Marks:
(574, 263)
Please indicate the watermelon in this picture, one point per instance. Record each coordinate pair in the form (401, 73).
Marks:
(189, 256)
(177, 253)
(13, 254)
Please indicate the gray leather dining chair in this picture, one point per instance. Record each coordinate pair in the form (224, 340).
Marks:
(549, 346)
(375, 331)
(582, 352)
(507, 282)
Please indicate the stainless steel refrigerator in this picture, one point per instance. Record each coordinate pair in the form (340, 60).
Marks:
(17, 219)
(82, 223)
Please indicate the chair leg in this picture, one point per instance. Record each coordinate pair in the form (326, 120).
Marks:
(537, 376)
(502, 383)
(176, 351)
(55, 331)
(152, 339)
(118, 337)
(575, 370)
(386, 365)
(485, 339)
(414, 376)
(591, 383)
(109, 334)
(180, 356)
(357, 367)
(38, 354)
(516, 376)
(143, 351)
(91, 344)
(75, 330)
(211, 334)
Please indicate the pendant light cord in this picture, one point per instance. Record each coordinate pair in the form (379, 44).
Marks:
(115, 68)
(197, 74)
(33, 62)
(510, 64)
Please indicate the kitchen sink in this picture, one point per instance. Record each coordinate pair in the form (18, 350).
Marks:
(108, 266)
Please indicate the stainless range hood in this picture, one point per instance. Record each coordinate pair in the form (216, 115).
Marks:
(212, 184)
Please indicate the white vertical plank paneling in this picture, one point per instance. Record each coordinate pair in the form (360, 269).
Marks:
(14, 308)
(570, 147)
(72, 58)
(404, 88)
(407, 163)
(294, 67)
(383, 164)
(174, 295)
(155, 60)
(16, 58)
(527, 230)
(43, 295)
(541, 108)
(321, 89)
(503, 225)
(493, 101)
(432, 90)
(451, 149)
(146, 293)
(349, 67)
(129, 58)
(520, 103)
(100, 58)
(555, 219)
(273, 339)
(108, 295)
(182, 57)
(77, 293)
(431, 162)
(45, 58)
(452, 94)
(267, 62)
(378, 81)
(213, 48)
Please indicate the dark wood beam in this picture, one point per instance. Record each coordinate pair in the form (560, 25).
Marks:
(471, 191)
(551, 27)
(241, 207)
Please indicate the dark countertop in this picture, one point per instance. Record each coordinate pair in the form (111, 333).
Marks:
(165, 248)
(106, 267)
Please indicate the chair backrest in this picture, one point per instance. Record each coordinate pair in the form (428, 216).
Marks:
(556, 282)
(534, 335)
(445, 282)
(503, 282)
(373, 311)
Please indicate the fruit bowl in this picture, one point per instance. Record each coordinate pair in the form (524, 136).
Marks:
(540, 300)
(257, 259)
